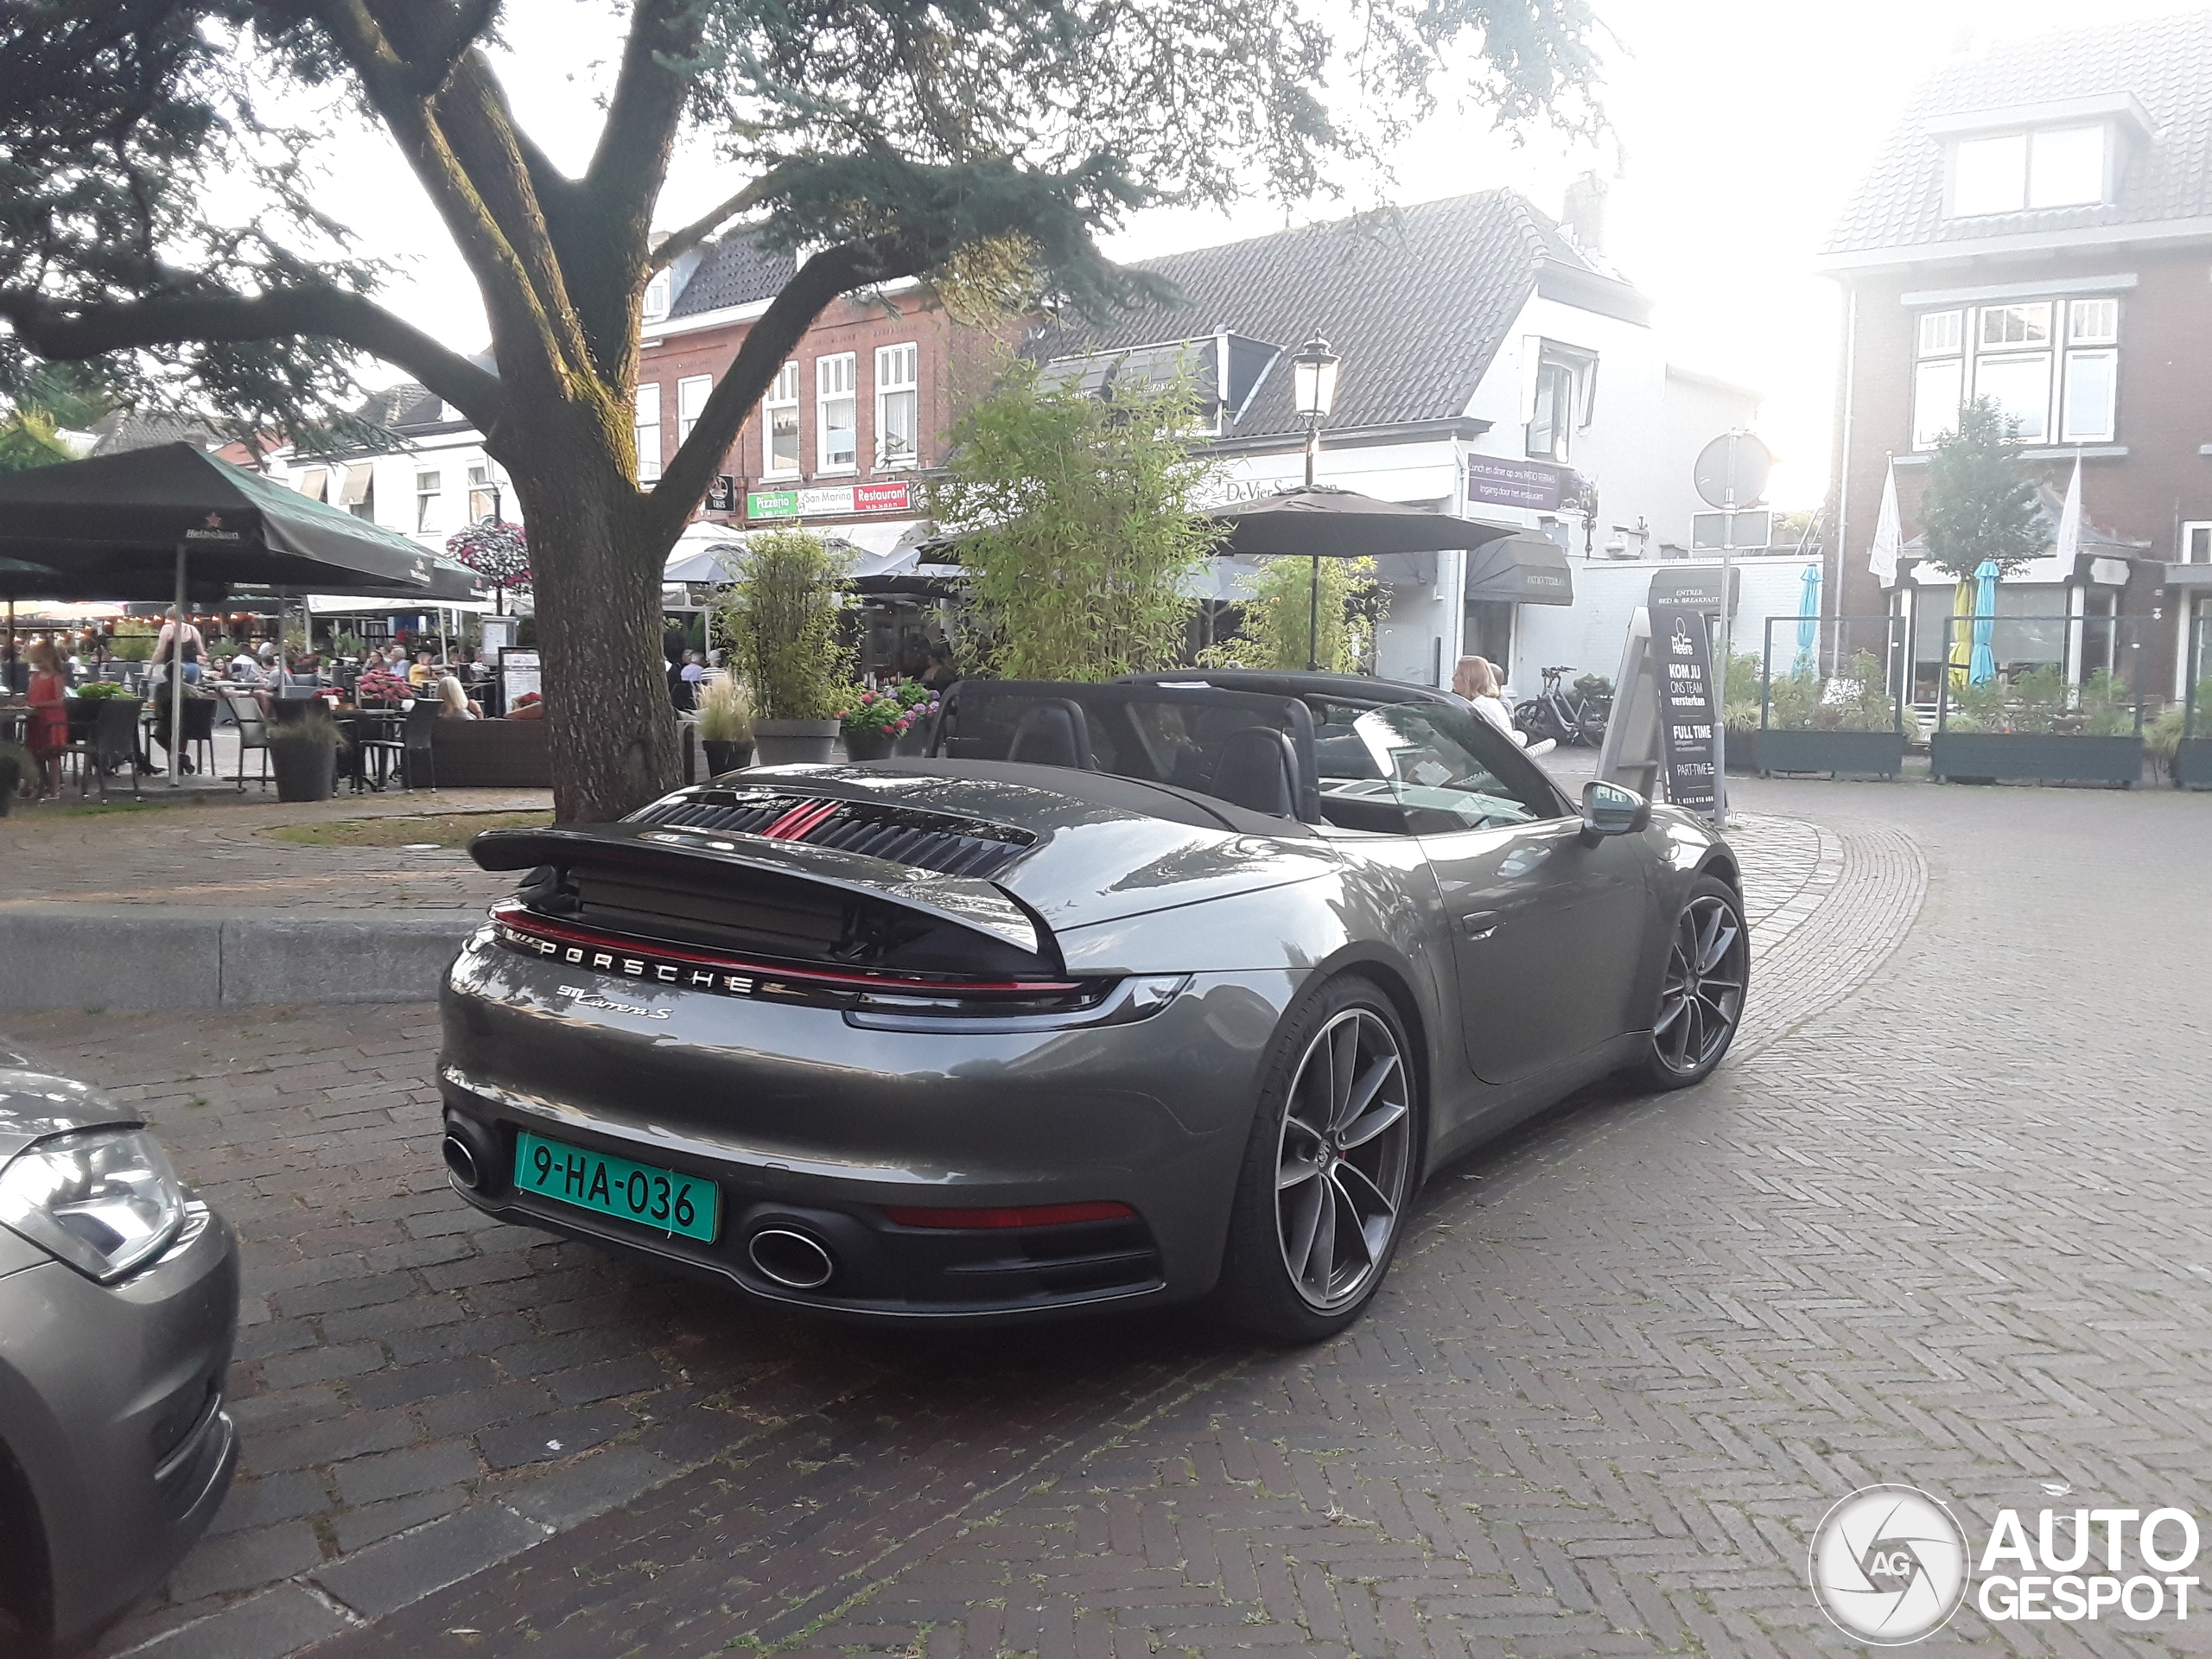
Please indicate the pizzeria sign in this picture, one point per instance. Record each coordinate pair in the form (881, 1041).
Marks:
(833, 502)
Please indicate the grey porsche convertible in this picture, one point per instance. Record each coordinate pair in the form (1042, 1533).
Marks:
(1173, 988)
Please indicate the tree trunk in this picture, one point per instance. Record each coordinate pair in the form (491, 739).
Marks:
(613, 729)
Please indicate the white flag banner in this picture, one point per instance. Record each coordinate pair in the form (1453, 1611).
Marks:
(2069, 546)
(1882, 556)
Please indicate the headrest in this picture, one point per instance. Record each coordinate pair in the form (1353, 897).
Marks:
(1257, 770)
(1052, 734)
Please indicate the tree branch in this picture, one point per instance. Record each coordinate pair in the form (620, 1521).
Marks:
(65, 334)
(768, 344)
(443, 51)
(631, 161)
(677, 244)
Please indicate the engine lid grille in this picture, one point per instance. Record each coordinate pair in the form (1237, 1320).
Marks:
(943, 841)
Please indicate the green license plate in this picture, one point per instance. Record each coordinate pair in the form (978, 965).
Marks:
(659, 1198)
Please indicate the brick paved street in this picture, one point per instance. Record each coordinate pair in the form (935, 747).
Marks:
(1940, 1227)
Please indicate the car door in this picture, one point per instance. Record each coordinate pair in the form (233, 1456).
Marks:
(1547, 933)
(1546, 936)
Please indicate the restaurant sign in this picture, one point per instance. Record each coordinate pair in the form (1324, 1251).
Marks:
(1498, 481)
(838, 501)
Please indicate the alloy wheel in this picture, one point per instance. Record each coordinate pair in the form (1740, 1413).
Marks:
(1703, 994)
(1343, 1158)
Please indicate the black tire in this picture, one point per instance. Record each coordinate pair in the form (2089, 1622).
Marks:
(1702, 987)
(1593, 726)
(1359, 1148)
(1538, 719)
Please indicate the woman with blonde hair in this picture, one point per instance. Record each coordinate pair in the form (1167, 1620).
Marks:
(1476, 679)
(459, 705)
(49, 723)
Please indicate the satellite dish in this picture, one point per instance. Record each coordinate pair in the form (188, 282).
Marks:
(1732, 471)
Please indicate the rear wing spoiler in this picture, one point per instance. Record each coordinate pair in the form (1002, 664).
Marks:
(979, 906)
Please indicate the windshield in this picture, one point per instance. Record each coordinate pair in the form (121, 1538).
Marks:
(1425, 758)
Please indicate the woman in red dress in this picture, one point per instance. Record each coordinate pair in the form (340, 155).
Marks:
(49, 727)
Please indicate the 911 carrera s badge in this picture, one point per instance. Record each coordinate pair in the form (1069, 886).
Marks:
(586, 998)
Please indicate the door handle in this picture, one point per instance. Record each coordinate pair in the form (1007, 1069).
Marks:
(1478, 924)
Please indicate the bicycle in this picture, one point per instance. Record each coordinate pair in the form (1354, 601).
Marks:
(1567, 714)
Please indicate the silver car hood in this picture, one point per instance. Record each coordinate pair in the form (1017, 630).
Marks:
(35, 1105)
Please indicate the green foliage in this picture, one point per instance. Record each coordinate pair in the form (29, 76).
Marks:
(27, 440)
(779, 618)
(133, 642)
(1273, 632)
(1979, 502)
(1077, 519)
(2107, 705)
(725, 711)
(1854, 699)
(101, 690)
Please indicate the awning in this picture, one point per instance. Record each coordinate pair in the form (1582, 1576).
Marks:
(2196, 577)
(1520, 570)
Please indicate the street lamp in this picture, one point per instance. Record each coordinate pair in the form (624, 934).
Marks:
(1312, 389)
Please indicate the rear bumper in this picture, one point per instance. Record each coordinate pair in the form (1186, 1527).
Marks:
(805, 1124)
(112, 1404)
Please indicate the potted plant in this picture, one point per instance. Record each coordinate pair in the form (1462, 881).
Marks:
(873, 721)
(303, 754)
(2184, 744)
(726, 725)
(1846, 722)
(2035, 729)
(17, 767)
(779, 618)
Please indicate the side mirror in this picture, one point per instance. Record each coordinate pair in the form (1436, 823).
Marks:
(1609, 809)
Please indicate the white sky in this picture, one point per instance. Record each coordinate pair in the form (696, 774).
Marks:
(1740, 128)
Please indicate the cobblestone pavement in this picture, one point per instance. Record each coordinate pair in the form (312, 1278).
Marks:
(211, 852)
(424, 1394)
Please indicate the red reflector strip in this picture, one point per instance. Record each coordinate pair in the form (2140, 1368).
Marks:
(1033, 1215)
(795, 823)
(512, 914)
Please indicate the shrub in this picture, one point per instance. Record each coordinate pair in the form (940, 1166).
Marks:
(725, 711)
(780, 619)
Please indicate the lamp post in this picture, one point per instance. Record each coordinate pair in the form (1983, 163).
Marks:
(1312, 389)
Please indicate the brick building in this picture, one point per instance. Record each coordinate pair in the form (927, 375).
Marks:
(2039, 230)
(855, 415)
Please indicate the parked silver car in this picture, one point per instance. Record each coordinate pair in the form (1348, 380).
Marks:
(118, 1303)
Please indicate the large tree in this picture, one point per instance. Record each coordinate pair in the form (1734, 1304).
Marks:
(162, 217)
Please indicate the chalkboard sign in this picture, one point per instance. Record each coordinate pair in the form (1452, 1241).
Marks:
(1682, 669)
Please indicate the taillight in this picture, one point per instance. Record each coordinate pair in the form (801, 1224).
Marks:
(1027, 1215)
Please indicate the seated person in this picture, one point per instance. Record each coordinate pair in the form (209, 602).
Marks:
(425, 672)
(459, 705)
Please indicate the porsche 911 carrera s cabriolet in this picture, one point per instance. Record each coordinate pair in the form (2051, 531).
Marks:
(1121, 994)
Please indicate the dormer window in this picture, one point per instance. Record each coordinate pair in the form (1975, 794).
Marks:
(656, 296)
(2016, 172)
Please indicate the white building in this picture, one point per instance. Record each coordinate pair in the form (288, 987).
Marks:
(1492, 367)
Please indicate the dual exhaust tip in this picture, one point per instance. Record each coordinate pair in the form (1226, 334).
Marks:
(784, 1256)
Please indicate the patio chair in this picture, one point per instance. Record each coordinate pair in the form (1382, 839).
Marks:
(110, 740)
(253, 734)
(420, 768)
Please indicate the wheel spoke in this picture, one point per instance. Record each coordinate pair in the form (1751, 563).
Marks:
(1369, 1086)
(1360, 1191)
(1295, 1169)
(1320, 1271)
(1720, 941)
(1365, 1129)
(1343, 1072)
(1297, 1234)
(1677, 1000)
(1353, 1231)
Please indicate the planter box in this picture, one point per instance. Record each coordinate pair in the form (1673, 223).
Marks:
(2030, 757)
(2192, 765)
(1743, 751)
(490, 754)
(1831, 751)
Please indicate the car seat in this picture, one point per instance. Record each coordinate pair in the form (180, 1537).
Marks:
(1052, 734)
(1257, 770)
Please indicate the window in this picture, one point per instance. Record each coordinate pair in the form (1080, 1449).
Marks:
(837, 411)
(428, 487)
(2012, 365)
(2058, 167)
(1939, 380)
(780, 424)
(648, 432)
(1562, 392)
(483, 494)
(658, 291)
(2197, 543)
(898, 405)
(692, 395)
(1424, 768)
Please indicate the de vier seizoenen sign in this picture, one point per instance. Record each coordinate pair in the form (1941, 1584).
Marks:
(1681, 671)
(829, 502)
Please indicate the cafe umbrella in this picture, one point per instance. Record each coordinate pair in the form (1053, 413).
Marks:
(173, 522)
(1319, 522)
